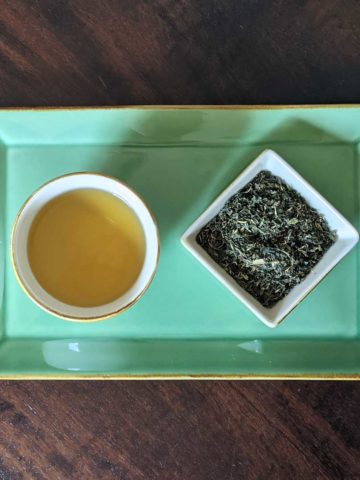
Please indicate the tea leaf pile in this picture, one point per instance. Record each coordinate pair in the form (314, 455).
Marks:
(267, 237)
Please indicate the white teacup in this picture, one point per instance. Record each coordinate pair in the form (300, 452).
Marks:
(19, 242)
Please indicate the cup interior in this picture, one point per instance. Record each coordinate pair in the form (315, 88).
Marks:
(21, 231)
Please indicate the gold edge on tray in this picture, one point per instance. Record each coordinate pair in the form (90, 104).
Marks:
(184, 107)
(184, 377)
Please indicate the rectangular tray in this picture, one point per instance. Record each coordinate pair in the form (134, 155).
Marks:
(187, 325)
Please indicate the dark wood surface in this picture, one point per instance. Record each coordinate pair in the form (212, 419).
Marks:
(93, 52)
(179, 430)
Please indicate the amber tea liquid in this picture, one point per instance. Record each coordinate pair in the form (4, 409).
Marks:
(86, 247)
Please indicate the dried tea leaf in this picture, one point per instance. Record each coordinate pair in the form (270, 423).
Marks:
(267, 238)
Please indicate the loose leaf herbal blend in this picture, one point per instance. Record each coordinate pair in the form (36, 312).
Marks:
(267, 238)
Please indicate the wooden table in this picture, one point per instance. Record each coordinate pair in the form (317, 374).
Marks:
(90, 52)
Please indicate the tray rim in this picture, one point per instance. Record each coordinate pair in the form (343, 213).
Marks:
(66, 376)
(184, 376)
(282, 106)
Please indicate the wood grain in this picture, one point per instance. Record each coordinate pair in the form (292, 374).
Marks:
(88, 52)
(179, 51)
(179, 430)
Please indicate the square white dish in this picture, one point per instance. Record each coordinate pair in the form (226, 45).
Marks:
(347, 237)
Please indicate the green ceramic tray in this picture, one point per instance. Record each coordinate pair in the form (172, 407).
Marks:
(187, 325)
